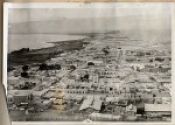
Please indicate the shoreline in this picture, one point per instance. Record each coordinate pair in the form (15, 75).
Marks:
(29, 56)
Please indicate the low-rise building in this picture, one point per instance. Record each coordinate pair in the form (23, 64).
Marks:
(131, 110)
(22, 97)
(157, 110)
(91, 103)
(107, 117)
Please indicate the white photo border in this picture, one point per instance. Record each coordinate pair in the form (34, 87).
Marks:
(8, 5)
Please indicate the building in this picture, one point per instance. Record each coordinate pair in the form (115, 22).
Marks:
(91, 104)
(22, 97)
(131, 110)
(107, 117)
(76, 91)
(157, 110)
(86, 103)
(112, 99)
(77, 98)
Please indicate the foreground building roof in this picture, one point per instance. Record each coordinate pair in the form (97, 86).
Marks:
(157, 107)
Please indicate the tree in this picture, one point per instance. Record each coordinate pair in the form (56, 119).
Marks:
(140, 54)
(10, 68)
(152, 78)
(86, 76)
(91, 64)
(159, 59)
(151, 60)
(25, 68)
(57, 66)
(154, 96)
(103, 107)
(24, 74)
(72, 67)
(106, 52)
(43, 66)
(140, 98)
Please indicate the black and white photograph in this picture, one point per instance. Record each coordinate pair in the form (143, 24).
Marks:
(89, 62)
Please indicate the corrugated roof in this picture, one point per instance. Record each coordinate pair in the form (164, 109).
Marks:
(97, 102)
(91, 102)
(86, 103)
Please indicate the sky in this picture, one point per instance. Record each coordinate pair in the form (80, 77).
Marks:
(139, 20)
(145, 11)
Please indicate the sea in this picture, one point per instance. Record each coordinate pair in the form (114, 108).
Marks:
(37, 41)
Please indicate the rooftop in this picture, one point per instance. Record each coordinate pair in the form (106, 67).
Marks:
(158, 107)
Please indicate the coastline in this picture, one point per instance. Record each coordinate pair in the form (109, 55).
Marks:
(43, 54)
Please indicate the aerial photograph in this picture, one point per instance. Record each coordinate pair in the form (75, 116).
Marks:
(87, 63)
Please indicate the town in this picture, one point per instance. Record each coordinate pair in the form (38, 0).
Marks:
(110, 79)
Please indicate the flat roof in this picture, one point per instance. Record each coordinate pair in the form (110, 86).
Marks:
(158, 107)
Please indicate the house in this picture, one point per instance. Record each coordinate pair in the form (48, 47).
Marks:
(46, 104)
(75, 98)
(86, 103)
(96, 62)
(163, 80)
(91, 104)
(40, 93)
(13, 80)
(10, 99)
(22, 97)
(136, 66)
(97, 103)
(94, 78)
(58, 101)
(59, 107)
(76, 91)
(131, 109)
(47, 95)
(59, 94)
(166, 100)
(112, 99)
